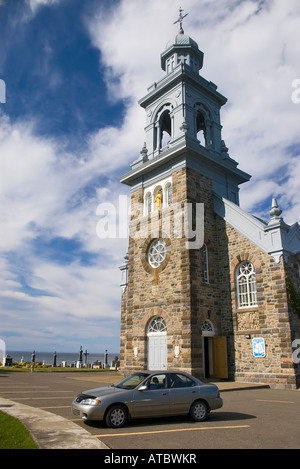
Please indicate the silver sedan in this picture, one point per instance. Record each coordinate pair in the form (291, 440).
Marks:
(148, 394)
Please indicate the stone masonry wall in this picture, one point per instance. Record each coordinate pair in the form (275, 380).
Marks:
(156, 292)
(269, 319)
(178, 292)
(205, 299)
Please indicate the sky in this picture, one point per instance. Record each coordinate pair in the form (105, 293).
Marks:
(70, 126)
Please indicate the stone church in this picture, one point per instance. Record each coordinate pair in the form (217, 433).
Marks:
(207, 288)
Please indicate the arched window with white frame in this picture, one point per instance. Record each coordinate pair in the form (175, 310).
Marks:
(203, 125)
(246, 285)
(163, 127)
(157, 325)
(208, 329)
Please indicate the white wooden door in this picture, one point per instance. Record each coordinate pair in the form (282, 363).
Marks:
(157, 352)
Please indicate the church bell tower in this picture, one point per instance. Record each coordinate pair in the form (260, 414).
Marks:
(172, 298)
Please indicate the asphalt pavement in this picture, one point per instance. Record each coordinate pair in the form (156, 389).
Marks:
(52, 431)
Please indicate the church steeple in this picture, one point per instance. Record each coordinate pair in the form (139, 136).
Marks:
(182, 50)
(183, 115)
(183, 104)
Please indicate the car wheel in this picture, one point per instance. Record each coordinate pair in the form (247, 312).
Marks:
(198, 411)
(116, 416)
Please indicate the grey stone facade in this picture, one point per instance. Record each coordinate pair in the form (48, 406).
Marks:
(197, 310)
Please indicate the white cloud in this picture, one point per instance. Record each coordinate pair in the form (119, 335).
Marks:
(35, 4)
(131, 40)
(42, 187)
(251, 51)
(36, 181)
(42, 194)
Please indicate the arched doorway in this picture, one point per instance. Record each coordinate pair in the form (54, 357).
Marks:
(157, 344)
(208, 333)
(214, 352)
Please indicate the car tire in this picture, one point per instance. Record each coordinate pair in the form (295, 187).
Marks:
(116, 416)
(198, 411)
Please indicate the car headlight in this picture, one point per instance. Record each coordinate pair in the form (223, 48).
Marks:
(90, 402)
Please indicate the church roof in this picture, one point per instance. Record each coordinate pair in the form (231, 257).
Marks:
(275, 238)
(182, 44)
(183, 40)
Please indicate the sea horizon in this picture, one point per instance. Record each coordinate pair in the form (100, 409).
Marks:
(70, 358)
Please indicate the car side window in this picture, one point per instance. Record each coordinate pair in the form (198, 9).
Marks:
(158, 381)
(177, 380)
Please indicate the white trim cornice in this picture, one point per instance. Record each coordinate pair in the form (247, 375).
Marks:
(276, 240)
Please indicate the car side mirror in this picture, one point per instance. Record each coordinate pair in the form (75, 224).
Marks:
(143, 388)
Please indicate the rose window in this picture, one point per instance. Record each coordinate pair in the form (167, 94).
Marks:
(157, 252)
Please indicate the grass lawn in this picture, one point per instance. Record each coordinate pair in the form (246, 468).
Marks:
(14, 435)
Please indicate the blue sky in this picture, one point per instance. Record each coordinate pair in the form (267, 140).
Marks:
(70, 127)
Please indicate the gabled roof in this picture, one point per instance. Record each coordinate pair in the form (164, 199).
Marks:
(275, 238)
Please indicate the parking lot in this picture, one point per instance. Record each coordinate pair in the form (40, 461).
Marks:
(250, 418)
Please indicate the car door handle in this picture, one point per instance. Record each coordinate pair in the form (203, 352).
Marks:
(165, 393)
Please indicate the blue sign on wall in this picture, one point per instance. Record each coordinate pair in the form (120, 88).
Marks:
(259, 349)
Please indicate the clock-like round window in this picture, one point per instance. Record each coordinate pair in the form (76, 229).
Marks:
(157, 252)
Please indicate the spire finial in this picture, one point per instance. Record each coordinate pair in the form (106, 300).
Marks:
(180, 19)
(275, 213)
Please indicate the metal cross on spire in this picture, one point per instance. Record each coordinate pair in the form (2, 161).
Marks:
(180, 19)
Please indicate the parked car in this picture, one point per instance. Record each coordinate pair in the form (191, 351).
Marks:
(148, 394)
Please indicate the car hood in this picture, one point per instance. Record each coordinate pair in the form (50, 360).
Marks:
(100, 392)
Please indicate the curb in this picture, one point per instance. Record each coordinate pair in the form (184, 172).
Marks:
(50, 431)
(242, 387)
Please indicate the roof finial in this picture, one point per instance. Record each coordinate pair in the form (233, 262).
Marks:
(180, 19)
(275, 213)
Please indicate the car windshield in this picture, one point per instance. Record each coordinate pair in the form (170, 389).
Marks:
(131, 381)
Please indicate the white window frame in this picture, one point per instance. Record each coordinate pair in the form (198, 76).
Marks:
(163, 186)
(157, 326)
(157, 252)
(246, 285)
